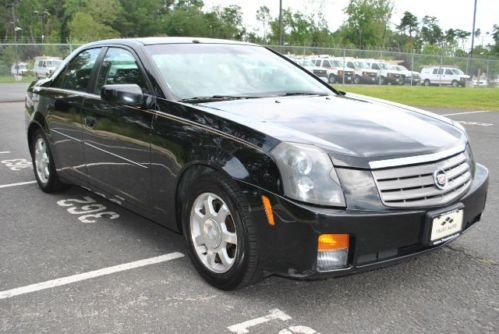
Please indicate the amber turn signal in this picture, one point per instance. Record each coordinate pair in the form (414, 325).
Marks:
(268, 210)
(329, 242)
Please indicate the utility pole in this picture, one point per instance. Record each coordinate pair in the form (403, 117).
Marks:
(281, 32)
(470, 57)
(14, 29)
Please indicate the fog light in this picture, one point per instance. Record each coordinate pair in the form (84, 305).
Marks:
(332, 251)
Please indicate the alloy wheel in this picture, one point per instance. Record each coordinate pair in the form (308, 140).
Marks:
(42, 161)
(213, 233)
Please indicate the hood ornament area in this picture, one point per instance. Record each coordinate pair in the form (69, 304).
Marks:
(440, 178)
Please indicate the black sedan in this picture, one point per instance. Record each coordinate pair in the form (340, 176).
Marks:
(262, 166)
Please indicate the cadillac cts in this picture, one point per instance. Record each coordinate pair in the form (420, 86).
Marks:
(262, 166)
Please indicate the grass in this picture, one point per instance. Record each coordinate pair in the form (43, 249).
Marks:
(438, 97)
(10, 79)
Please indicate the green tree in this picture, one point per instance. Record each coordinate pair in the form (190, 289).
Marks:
(367, 21)
(409, 23)
(83, 28)
(431, 32)
(495, 37)
(263, 16)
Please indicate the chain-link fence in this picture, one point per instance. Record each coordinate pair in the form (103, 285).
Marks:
(24, 62)
(482, 71)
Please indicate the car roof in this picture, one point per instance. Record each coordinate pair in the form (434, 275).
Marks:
(167, 40)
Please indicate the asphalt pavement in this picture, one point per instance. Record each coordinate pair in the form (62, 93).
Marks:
(61, 271)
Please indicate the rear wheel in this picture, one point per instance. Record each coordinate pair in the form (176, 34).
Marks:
(43, 164)
(220, 236)
(426, 82)
(356, 80)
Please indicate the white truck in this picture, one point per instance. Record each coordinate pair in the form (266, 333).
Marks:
(386, 74)
(362, 72)
(44, 66)
(443, 75)
(336, 72)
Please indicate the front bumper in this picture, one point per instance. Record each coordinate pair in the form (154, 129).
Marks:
(377, 238)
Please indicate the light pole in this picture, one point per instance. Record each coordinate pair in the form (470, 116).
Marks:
(472, 40)
(281, 35)
(15, 29)
(42, 14)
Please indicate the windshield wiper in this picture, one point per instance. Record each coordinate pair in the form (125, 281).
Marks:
(213, 98)
(302, 93)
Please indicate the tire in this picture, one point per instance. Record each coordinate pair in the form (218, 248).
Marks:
(426, 83)
(455, 83)
(332, 79)
(356, 80)
(209, 238)
(43, 164)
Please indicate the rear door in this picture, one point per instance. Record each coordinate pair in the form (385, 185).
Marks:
(64, 102)
(117, 136)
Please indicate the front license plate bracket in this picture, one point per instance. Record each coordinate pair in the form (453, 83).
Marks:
(450, 222)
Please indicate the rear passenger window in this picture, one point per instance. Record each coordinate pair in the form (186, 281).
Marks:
(435, 71)
(76, 75)
(326, 64)
(441, 71)
(120, 67)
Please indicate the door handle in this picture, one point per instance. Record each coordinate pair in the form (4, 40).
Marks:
(90, 122)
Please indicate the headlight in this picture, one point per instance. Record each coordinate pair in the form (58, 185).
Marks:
(471, 159)
(308, 175)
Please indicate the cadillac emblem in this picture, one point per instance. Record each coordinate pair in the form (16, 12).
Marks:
(440, 179)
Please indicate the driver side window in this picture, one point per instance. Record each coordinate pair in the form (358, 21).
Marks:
(76, 75)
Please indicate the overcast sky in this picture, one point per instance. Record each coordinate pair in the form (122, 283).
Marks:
(450, 13)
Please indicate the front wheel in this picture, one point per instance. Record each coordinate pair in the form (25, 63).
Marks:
(43, 164)
(356, 80)
(455, 83)
(426, 83)
(220, 236)
(332, 79)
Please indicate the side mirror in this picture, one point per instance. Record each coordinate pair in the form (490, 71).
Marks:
(129, 94)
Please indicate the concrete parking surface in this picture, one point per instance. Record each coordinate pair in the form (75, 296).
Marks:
(48, 248)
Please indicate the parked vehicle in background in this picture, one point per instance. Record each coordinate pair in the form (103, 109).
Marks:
(335, 71)
(19, 69)
(386, 75)
(44, 66)
(309, 65)
(362, 72)
(482, 82)
(408, 77)
(443, 75)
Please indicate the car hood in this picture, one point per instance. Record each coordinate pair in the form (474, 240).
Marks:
(353, 129)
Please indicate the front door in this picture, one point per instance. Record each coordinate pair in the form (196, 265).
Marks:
(116, 136)
(64, 102)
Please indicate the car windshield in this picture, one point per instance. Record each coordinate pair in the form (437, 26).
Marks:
(224, 70)
(306, 62)
(457, 71)
(359, 64)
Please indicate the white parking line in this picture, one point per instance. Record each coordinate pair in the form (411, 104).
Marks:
(88, 275)
(4, 152)
(16, 184)
(467, 112)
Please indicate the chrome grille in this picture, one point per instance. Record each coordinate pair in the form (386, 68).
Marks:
(414, 186)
